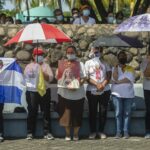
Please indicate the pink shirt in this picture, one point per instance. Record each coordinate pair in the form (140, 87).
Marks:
(31, 73)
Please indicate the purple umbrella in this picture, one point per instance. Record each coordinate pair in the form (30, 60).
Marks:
(139, 23)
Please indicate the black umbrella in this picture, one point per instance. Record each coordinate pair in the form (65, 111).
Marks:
(118, 41)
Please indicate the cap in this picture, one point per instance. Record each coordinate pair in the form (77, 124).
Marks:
(84, 7)
(38, 51)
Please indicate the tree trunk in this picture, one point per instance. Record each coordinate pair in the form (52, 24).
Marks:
(60, 4)
(111, 5)
(146, 4)
(136, 8)
(28, 13)
(101, 10)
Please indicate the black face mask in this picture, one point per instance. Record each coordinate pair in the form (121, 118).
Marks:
(123, 61)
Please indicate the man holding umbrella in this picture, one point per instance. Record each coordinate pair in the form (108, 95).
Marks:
(38, 76)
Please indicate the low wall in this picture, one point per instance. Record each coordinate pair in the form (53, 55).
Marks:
(82, 36)
(15, 124)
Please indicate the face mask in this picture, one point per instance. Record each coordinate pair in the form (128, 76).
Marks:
(86, 12)
(59, 18)
(75, 16)
(123, 61)
(118, 21)
(110, 20)
(39, 59)
(97, 54)
(71, 56)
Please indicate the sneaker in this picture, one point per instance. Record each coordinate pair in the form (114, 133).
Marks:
(126, 135)
(147, 136)
(1, 139)
(68, 138)
(49, 136)
(102, 135)
(118, 136)
(76, 138)
(29, 137)
(92, 136)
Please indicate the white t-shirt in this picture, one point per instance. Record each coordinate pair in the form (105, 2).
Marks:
(96, 70)
(74, 94)
(146, 81)
(124, 90)
(31, 73)
(82, 22)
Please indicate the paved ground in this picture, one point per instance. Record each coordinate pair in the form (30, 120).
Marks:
(134, 143)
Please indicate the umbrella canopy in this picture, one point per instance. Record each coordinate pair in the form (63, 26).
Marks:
(41, 11)
(118, 41)
(39, 33)
(139, 23)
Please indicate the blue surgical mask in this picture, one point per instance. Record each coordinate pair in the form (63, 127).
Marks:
(110, 20)
(86, 12)
(60, 17)
(118, 21)
(71, 56)
(97, 54)
(39, 59)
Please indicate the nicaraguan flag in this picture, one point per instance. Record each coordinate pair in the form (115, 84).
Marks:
(11, 81)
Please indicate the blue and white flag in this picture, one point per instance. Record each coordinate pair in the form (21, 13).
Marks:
(11, 81)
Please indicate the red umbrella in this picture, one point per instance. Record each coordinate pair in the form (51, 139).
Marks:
(39, 33)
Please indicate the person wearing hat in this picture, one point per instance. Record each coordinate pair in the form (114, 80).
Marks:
(85, 16)
(33, 72)
(98, 91)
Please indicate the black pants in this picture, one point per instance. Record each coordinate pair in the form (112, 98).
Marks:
(34, 101)
(1, 118)
(93, 101)
(147, 116)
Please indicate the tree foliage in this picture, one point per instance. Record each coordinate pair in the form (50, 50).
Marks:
(99, 8)
(1, 4)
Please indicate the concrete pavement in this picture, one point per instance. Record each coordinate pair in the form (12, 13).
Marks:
(134, 143)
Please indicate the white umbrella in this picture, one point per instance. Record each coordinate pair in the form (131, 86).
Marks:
(139, 23)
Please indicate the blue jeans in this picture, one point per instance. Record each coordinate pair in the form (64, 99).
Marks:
(122, 113)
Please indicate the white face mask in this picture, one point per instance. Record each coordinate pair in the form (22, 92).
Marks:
(39, 59)
(71, 56)
(75, 16)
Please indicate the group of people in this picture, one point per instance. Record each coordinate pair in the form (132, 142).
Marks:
(79, 16)
(83, 16)
(71, 75)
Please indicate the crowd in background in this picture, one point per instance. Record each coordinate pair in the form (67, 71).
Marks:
(79, 16)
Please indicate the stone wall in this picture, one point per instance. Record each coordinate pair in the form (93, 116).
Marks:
(82, 36)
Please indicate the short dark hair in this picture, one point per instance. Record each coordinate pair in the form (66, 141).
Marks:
(73, 47)
(121, 52)
(119, 13)
(57, 10)
(74, 9)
